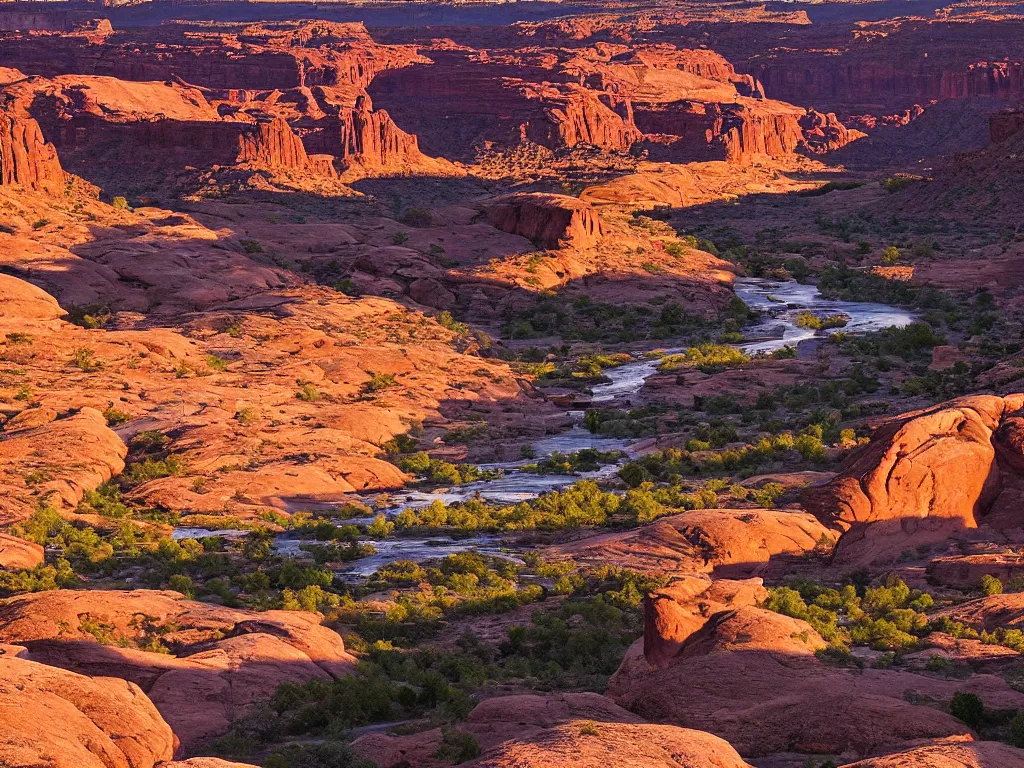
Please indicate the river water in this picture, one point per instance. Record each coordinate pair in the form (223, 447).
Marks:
(779, 303)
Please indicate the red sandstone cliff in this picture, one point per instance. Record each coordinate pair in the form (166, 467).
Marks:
(1005, 123)
(272, 145)
(550, 221)
(372, 140)
(26, 159)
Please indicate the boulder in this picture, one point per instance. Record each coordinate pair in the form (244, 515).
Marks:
(550, 221)
(734, 542)
(218, 663)
(18, 554)
(926, 476)
(75, 721)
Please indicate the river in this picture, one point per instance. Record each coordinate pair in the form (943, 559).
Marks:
(779, 303)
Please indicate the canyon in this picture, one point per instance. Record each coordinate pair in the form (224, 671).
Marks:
(511, 385)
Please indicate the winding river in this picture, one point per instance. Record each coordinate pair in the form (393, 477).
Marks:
(779, 302)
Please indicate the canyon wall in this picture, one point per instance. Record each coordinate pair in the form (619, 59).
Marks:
(26, 159)
(1005, 123)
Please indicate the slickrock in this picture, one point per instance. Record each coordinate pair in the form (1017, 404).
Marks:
(18, 554)
(550, 221)
(77, 721)
(22, 303)
(574, 729)
(926, 476)
(674, 613)
(204, 762)
(751, 677)
(583, 745)
(952, 754)
(741, 541)
(221, 660)
(966, 571)
(990, 612)
(35, 466)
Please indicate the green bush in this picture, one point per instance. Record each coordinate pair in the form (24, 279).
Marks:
(457, 746)
(967, 708)
(990, 585)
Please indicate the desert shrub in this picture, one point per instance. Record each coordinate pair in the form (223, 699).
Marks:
(115, 417)
(967, 708)
(457, 746)
(990, 585)
(706, 357)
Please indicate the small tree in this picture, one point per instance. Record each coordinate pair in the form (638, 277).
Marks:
(990, 585)
(968, 708)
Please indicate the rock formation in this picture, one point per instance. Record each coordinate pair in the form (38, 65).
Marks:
(273, 145)
(550, 221)
(217, 663)
(18, 554)
(579, 730)
(926, 476)
(951, 754)
(26, 159)
(76, 721)
(371, 140)
(752, 677)
(1005, 123)
(737, 541)
(34, 464)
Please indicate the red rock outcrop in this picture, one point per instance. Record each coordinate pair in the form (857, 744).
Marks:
(581, 744)
(579, 730)
(966, 571)
(752, 678)
(1005, 123)
(60, 719)
(989, 613)
(26, 159)
(34, 465)
(373, 144)
(221, 660)
(675, 612)
(273, 145)
(739, 541)
(18, 554)
(824, 132)
(926, 476)
(550, 221)
(951, 754)
(280, 57)
(463, 103)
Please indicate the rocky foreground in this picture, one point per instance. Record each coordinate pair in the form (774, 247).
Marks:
(634, 388)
